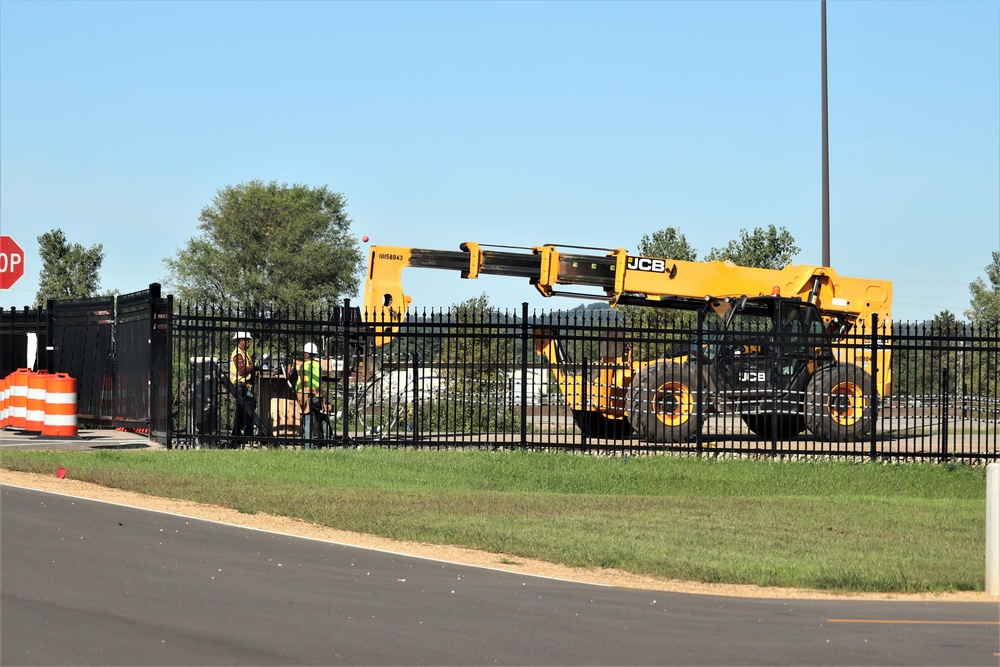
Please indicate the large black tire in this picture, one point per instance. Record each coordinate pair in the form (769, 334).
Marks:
(838, 403)
(663, 403)
(595, 425)
(779, 427)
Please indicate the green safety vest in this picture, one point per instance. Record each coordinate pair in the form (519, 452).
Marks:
(309, 373)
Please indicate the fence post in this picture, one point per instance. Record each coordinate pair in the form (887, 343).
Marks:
(873, 398)
(415, 426)
(993, 529)
(47, 350)
(161, 417)
(153, 369)
(524, 374)
(945, 379)
(345, 368)
(699, 401)
(584, 400)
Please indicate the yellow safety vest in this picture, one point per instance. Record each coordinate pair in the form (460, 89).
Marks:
(235, 377)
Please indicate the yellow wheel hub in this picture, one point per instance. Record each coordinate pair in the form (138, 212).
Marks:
(674, 403)
(846, 403)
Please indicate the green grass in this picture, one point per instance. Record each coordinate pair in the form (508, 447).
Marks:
(830, 525)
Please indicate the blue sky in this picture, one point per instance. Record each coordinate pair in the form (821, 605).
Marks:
(516, 123)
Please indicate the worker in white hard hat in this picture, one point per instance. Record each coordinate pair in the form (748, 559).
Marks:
(241, 368)
(305, 377)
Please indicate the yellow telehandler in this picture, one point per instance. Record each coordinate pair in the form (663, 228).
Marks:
(793, 349)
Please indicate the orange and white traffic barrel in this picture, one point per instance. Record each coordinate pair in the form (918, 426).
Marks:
(34, 414)
(4, 399)
(18, 399)
(60, 405)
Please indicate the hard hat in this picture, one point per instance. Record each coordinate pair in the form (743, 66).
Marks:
(242, 334)
(310, 348)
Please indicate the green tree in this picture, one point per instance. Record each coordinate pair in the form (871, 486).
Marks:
(479, 348)
(476, 357)
(771, 248)
(985, 303)
(946, 331)
(265, 243)
(669, 243)
(980, 371)
(69, 271)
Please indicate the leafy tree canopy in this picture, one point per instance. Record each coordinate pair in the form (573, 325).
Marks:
(265, 243)
(985, 304)
(472, 310)
(667, 243)
(945, 321)
(771, 248)
(69, 271)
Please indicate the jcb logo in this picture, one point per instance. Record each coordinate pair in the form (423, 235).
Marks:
(646, 264)
(753, 376)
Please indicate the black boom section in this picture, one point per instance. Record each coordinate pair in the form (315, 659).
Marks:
(493, 263)
(588, 270)
(454, 260)
(510, 264)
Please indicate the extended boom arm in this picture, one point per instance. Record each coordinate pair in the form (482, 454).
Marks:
(624, 279)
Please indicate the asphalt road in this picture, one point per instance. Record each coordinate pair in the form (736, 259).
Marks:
(84, 583)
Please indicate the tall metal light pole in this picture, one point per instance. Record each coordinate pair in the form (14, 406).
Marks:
(826, 142)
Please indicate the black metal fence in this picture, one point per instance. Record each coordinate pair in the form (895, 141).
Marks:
(561, 380)
(116, 348)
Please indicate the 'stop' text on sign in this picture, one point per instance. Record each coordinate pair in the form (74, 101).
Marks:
(11, 262)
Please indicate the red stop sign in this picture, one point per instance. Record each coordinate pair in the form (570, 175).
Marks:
(11, 262)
